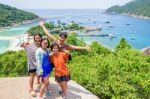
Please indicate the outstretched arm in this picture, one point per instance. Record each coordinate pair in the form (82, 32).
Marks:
(72, 47)
(50, 36)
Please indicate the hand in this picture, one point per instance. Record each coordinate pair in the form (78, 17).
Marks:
(25, 44)
(41, 23)
(87, 47)
(40, 74)
(66, 51)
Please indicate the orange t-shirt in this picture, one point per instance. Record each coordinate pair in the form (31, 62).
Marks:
(60, 63)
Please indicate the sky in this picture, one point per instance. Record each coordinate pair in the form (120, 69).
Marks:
(63, 4)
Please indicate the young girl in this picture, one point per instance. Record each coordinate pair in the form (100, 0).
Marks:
(43, 65)
(59, 60)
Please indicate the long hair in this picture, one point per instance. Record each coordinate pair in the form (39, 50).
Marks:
(47, 41)
(37, 34)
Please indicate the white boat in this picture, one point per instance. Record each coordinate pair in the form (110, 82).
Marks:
(111, 26)
(132, 38)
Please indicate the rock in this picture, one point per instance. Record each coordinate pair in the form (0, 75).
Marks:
(146, 51)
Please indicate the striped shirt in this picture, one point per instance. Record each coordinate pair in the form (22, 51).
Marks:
(31, 60)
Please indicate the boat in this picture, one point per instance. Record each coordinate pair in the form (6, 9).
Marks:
(107, 21)
(132, 38)
(111, 26)
(111, 36)
(127, 24)
(94, 22)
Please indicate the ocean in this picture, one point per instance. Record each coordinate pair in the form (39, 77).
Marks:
(136, 31)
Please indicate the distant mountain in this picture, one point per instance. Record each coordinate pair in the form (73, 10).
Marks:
(10, 15)
(139, 8)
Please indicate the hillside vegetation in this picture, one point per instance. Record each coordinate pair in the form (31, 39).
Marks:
(10, 15)
(135, 7)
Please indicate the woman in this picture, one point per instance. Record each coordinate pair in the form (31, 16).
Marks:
(43, 65)
(30, 49)
(59, 60)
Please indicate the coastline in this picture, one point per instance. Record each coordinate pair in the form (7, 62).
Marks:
(25, 22)
(128, 14)
(15, 41)
(136, 16)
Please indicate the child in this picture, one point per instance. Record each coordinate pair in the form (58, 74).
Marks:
(59, 60)
(43, 65)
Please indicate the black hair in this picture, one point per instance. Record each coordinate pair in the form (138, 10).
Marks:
(53, 45)
(47, 41)
(63, 34)
(37, 34)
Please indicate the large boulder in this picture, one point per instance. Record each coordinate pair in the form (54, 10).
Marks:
(146, 51)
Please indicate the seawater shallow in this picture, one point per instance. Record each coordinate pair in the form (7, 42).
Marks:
(4, 44)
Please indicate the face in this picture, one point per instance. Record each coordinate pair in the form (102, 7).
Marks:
(62, 39)
(55, 49)
(38, 40)
(44, 44)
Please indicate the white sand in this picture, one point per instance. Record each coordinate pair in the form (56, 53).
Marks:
(15, 41)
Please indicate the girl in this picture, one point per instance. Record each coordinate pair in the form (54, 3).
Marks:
(30, 49)
(59, 60)
(43, 65)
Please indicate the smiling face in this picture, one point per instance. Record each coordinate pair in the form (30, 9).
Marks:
(37, 40)
(55, 49)
(62, 39)
(44, 44)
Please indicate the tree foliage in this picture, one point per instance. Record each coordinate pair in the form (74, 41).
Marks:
(13, 64)
(10, 15)
(55, 28)
(135, 7)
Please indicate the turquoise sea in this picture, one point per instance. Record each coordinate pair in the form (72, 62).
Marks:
(135, 30)
(4, 44)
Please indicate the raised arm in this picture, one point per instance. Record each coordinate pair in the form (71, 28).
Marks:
(49, 35)
(24, 44)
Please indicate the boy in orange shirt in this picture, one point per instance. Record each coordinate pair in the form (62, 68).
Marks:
(59, 60)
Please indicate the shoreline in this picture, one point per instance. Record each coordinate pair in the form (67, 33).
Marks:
(14, 42)
(136, 16)
(128, 14)
(20, 23)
